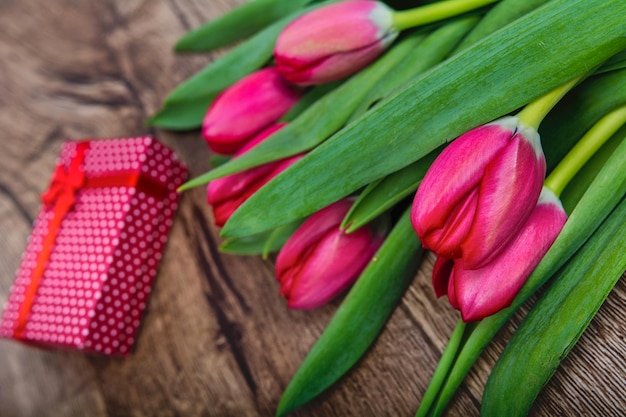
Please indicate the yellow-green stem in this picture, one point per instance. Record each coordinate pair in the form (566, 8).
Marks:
(584, 149)
(406, 19)
(533, 114)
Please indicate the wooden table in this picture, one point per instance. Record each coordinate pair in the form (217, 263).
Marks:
(216, 340)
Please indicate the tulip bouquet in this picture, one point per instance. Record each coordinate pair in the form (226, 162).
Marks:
(383, 132)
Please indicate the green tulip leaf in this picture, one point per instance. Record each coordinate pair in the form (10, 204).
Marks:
(435, 47)
(183, 115)
(382, 195)
(217, 160)
(359, 319)
(557, 320)
(318, 121)
(500, 15)
(261, 244)
(185, 107)
(247, 245)
(499, 74)
(581, 181)
(229, 68)
(322, 118)
(237, 24)
(311, 96)
(279, 237)
(616, 62)
(582, 108)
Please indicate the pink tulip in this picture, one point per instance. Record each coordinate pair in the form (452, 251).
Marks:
(479, 293)
(479, 192)
(320, 260)
(334, 41)
(247, 107)
(226, 194)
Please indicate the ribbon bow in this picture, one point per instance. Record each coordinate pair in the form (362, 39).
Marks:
(64, 186)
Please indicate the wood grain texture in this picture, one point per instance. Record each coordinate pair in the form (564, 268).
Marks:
(216, 339)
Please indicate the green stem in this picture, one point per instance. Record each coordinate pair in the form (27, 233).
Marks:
(435, 12)
(536, 111)
(443, 368)
(585, 149)
(466, 357)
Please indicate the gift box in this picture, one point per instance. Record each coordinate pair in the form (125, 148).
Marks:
(90, 261)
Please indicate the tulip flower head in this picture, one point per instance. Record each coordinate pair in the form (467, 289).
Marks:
(226, 194)
(479, 192)
(247, 107)
(334, 41)
(319, 261)
(479, 293)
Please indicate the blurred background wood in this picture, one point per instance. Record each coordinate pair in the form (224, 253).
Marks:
(216, 339)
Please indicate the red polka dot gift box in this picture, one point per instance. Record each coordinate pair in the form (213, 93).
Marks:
(96, 243)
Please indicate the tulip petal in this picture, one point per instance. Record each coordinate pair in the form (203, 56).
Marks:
(441, 275)
(330, 67)
(335, 263)
(447, 240)
(320, 260)
(232, 191)
(455, 173)
(223, 210)
(247, 107)
(508, 194)
(313, 229)
(333, 41)
(336, 28)
(452, 297)
(483, 292)
(230, 186)
(226, 194)
(260, 137)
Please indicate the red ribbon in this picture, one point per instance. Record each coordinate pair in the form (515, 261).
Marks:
(60, 198)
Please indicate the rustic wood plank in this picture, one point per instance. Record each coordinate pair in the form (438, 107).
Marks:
(216, 340)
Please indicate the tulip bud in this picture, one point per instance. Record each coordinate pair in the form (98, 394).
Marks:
(320, 260)
(479, 192)
(334, 41)
(247, 107)
(479, 293)
(226, 194)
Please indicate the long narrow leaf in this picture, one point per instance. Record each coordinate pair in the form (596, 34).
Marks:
(310, 98)
(279, 237)
(196, 93)
(318, 121)
(237, 24)
(502, 13)
(261, 244)
(557, 321)
(427, 54)
(574, 191)
(382, 195)
(321, 119)
(582, 108)
(359, 319)
(496, 76)
(616, 62)
(247, 245)
(183, 115)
